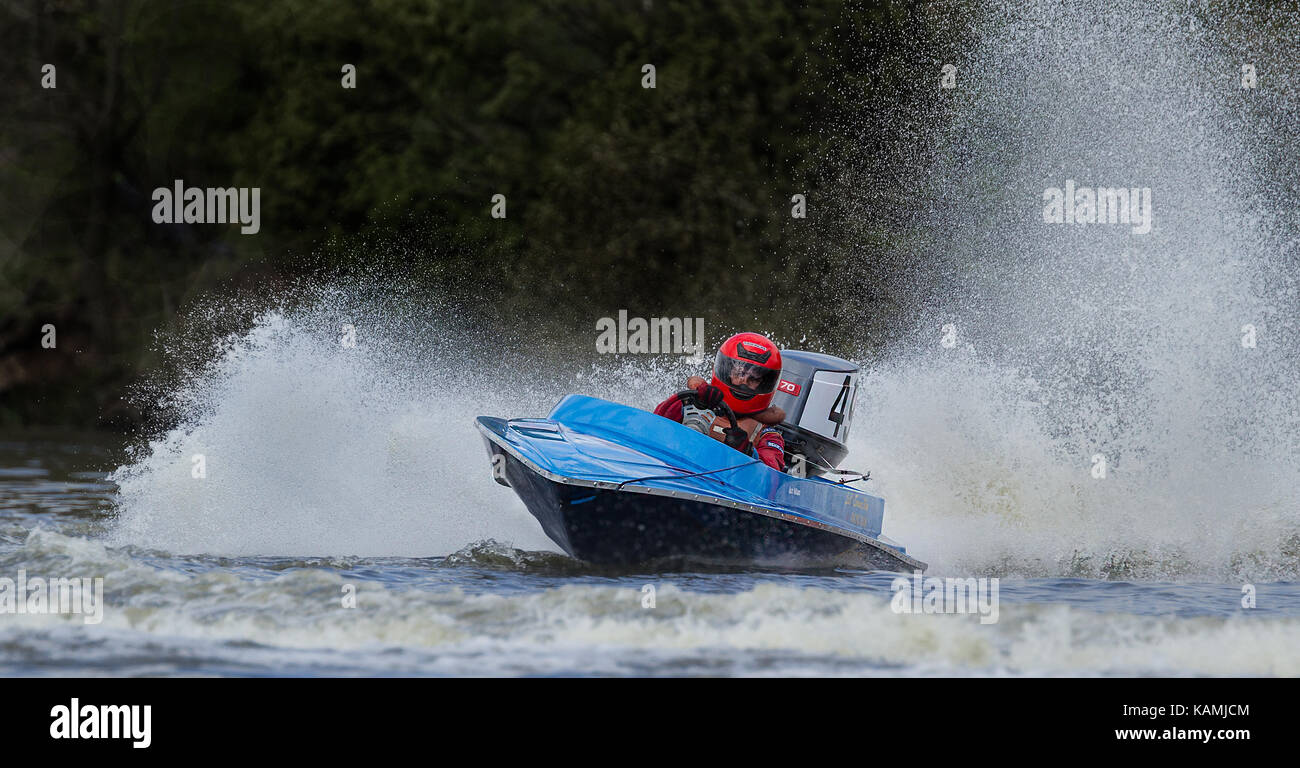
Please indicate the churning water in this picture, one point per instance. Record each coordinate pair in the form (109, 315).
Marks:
(1040, 353)
(1031, 355)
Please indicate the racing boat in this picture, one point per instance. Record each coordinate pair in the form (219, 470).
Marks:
(616, 485)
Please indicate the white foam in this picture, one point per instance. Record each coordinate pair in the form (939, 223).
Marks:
(1073, 341)
(315, 449)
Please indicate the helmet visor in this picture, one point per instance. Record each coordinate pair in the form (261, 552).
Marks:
(744, 378)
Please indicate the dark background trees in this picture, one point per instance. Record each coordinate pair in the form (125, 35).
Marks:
(663, 201)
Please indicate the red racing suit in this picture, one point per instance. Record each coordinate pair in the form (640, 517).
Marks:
(768, 445)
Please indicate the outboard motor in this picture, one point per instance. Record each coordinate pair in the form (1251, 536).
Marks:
(817, 393)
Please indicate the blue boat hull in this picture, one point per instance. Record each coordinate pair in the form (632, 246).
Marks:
(614, 485)
(609, 527)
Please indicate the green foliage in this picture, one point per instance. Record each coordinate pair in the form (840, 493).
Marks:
(673, 200)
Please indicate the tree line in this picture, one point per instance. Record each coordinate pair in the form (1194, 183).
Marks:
(675, 200)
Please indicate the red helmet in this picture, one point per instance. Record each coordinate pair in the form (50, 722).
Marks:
(746, 369)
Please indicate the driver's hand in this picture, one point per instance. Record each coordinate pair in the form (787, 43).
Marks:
(736, 437)
(708, 396)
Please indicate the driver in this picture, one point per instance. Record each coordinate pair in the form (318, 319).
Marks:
(745, 373)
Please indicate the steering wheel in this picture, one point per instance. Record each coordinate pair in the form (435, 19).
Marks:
(735, 435)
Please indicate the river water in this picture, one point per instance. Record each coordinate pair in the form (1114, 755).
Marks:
(490, 609)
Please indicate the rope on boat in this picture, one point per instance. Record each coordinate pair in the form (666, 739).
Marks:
(861, 476)
(688, 474)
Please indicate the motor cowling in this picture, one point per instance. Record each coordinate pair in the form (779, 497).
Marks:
(817, 393)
